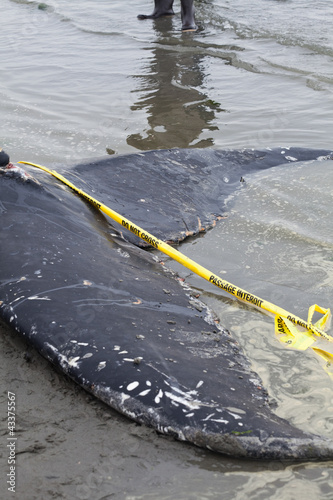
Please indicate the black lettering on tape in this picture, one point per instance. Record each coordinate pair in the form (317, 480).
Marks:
(149, 240)
(281, 325)
(135, 230)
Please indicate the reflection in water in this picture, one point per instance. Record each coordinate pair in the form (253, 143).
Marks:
(177, 111)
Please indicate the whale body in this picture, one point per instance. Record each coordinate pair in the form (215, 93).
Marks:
(110, 314)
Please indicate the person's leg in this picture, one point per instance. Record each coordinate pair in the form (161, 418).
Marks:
(162, 8)
(188, 22)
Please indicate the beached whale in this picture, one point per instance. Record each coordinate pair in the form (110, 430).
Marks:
(112, 317)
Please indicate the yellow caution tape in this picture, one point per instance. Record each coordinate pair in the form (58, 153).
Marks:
(286, 324)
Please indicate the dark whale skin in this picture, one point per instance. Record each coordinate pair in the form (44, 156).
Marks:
(122, 326)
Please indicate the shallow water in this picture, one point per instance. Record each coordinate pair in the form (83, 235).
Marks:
(82, 79)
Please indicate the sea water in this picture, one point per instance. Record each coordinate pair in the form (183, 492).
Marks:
(86, 78)
(82, 77)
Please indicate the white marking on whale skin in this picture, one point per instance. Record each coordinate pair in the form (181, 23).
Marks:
(88, 355)
(18, 298)
(11, 319)
(123, 253)
(177, 162)
(180, 436)
(130, 414)
(73, 362)
(64, 362)
(236, 417)
(322, 158)
(101, 365)
(36, 297)
(199, 384)
(51, 347)
(83, 343)
(208, 417)
(236, 410)
(132, 386)
(124, 397)
(145, 392)
(290, 158)
(123, 352)
(148, 383)
(159, 396)
(219, 420)
(171, 430)
(33, 330)
(131, 360)
(193, 404)
(187, 395)
(116, 348)
(190, 414)
(255, 381)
